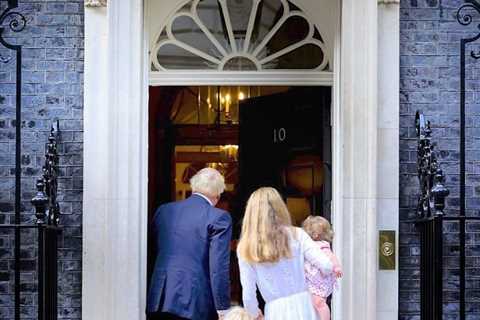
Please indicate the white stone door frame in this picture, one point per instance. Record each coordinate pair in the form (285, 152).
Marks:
(116, 155)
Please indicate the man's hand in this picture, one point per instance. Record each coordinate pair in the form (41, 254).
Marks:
(221, 314)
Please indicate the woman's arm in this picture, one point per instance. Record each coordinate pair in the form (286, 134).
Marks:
(313, 253)
(248, 279)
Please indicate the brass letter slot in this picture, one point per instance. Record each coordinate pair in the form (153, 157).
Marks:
(386, 250)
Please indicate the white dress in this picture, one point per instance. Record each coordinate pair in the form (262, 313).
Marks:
(282, 284)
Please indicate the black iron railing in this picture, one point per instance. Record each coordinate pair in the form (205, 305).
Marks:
(47, 213)
(465, 16)
(431, 204)
(45, 201)
(15, 22)
(430, 223)
(431, 220)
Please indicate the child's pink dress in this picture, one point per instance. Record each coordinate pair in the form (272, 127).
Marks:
(320, 284)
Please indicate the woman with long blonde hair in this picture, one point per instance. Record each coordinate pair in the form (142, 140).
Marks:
(271, 256)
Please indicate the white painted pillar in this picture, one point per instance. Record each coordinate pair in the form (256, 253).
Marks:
(356, 211)
(388, 147)
(128, 160)
(115, 199)
(95, 286)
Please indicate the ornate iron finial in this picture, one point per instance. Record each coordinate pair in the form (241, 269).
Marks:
(40, 202)
(439, 192)
(432, 190)
(54, 214)
(465, 17)
(13, 20)
(48, 184)
(464, 13)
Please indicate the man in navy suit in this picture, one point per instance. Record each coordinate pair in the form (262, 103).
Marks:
(190, 278)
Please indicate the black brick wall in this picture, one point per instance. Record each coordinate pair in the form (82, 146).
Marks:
(430, 81)
(52, 73)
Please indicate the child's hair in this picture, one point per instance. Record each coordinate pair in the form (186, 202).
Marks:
(238, 313)
(318, 228)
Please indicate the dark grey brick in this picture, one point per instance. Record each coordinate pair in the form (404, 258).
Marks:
(430, 81)
(52, 70)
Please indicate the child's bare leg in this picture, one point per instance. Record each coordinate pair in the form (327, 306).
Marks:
(321, 306)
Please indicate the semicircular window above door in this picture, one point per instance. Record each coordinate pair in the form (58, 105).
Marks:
(239, 35)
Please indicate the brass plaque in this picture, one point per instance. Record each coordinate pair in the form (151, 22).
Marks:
(386, 250)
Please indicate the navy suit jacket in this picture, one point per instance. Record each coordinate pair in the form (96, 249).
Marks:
(191, 276)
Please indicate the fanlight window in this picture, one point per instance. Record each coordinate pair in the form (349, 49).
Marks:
(239, 35)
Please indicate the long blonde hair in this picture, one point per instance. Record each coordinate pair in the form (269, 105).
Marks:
(265, 234)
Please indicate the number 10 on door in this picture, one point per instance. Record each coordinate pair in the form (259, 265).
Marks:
(279, 135)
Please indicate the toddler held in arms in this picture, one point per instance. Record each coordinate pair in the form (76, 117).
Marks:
(321, 285)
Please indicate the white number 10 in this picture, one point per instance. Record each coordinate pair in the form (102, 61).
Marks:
(279, 135)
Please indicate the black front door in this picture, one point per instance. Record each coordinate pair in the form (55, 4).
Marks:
(284, 143)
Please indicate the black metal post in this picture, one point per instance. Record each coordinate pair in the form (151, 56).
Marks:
(423, 268)
(41, 273)
(464, 17)
(438, 261)
(462, 178)
(16, 22)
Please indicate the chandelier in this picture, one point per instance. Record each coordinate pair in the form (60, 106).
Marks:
(223, 102)
(229, 152)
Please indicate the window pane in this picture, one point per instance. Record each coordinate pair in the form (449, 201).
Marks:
(239, 11)
(294, 30)
(306, 57)
(187, 31)
(173, 57)
(268, 14)
(211, 16)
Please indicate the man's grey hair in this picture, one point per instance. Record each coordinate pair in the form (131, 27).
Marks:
(208, 181)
